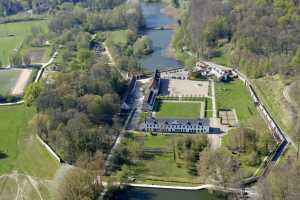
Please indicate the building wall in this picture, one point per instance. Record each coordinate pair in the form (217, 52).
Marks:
(177, 128)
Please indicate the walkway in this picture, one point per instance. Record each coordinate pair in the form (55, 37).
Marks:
(213, 95)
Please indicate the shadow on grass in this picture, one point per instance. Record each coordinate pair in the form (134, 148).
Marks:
(3, 155)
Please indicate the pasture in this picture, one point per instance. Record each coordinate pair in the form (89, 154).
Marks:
(20, 150)
(8, 79)
(13, 34)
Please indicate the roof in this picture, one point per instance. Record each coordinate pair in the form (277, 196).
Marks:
(131, 86)
(170, 121)
(156, 80)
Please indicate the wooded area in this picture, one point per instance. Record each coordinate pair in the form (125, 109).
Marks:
(259, 37)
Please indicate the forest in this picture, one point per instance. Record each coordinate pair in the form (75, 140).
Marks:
(259, 37)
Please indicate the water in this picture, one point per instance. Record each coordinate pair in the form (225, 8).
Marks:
(134, 193)
(160, 38)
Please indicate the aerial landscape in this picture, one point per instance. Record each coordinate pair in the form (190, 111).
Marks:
(149, 99)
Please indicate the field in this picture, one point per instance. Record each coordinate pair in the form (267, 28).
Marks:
(235, 95)
(117, 37)
(12, 35)
(20, 150)
(8, 79)
(177, 109)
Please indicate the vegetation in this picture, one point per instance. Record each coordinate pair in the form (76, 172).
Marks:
(261, 35)
(12, 36)
(179, 109)
(160, 157)
(8, 79)
(18, 143)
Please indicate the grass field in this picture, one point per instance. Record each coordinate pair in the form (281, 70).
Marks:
(235, 95)
(178, 109)
(8, 79)
(20, 149)
(118, 37)
(18, 31)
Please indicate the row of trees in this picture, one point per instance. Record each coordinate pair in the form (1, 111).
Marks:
(10, 7)
(120, 17)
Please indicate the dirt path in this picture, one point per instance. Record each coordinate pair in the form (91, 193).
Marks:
(21, 82)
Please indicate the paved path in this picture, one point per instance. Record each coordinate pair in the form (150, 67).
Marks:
(213, 95)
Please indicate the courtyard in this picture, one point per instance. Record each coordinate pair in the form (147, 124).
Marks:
(179, 109)
(184, 88)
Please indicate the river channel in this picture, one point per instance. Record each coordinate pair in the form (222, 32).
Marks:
(161, 39)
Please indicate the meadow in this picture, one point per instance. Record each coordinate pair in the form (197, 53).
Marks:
(19, 147)
(13, 34)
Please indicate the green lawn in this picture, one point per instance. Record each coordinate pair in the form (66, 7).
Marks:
(119, 36)
(235, 95)
(12, 35)
(166, 109)
(8, 79)
(21, 150)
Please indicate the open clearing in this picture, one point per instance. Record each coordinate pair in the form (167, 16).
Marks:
(8, 79)
(177, 109)
(12, 35)
(22, 82)
(21, 151)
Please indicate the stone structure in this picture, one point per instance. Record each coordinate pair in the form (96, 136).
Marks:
(152, 124)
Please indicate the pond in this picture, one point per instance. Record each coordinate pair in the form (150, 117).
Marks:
(138, 193)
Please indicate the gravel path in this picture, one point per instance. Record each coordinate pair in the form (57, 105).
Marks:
(21, 82)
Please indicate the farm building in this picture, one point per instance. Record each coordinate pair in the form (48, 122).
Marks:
(200, 125)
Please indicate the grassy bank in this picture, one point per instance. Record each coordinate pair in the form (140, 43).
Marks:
(20, 149)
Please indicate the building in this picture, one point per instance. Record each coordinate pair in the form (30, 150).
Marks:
(152, 92)
(152, 124)
(175, 73)
(130, 92)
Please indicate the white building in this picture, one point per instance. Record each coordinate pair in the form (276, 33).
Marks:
(152, 124)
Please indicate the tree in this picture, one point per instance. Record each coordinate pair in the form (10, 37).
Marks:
(26, 59)
(78, 185)
(15, 59)
(31, 93)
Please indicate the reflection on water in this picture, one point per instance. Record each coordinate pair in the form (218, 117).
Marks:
(160, 38)
(134, 193)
